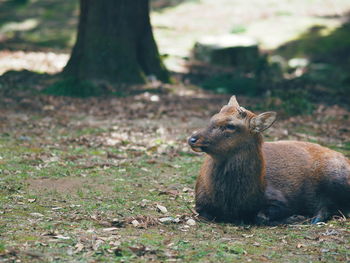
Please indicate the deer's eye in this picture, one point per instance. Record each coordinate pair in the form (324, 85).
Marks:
(230, 127)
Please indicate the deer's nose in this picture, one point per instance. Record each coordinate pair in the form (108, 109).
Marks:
(192, 140)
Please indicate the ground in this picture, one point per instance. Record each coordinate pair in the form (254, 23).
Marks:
(87, 187)
(111, 179)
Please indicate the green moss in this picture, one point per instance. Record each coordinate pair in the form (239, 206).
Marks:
(74, 87)
(231, 84)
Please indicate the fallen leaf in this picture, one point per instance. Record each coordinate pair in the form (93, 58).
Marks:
(141, 250)
(169, 192)
(135, 223)
(109, 229)
(97, 244)
(61, 237)
(78, 247)
(36, 214)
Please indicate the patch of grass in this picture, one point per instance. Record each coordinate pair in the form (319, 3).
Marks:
(2, 247)
(343, 148)
(74, 87)
(238, 29)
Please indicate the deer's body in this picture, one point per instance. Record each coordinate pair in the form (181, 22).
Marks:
(243, 178)
(312, 180)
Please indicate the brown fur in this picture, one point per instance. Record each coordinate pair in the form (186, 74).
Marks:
(245, 180)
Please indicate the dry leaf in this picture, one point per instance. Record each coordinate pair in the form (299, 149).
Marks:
(135, 223)
(109, 229)
(61, 237)
(78, 247)
(97, 244)
(36, 214)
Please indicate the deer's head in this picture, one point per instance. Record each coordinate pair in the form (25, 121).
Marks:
(230, 130)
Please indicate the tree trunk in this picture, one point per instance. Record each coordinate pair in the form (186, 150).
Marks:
(115, 43)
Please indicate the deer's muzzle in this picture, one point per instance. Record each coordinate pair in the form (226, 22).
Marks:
(196, 143)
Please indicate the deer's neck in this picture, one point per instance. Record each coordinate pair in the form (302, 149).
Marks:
(238, 180)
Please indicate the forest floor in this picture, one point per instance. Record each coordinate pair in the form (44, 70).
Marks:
(112, 179)
(86, 180)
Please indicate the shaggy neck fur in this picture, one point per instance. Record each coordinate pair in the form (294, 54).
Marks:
(238, 182)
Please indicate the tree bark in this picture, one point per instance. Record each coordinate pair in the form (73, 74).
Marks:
(115, 43)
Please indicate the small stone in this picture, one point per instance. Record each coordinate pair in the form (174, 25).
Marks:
(166, 219)
(191, 222)
(162, 209)
(36, 214)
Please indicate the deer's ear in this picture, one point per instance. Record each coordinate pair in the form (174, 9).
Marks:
(233, 102)
(262, 121)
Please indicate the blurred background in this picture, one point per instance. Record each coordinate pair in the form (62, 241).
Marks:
(294, 52)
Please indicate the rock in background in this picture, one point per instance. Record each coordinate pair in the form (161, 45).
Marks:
(228, 50)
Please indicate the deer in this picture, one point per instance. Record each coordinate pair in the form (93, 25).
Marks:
(246, 180)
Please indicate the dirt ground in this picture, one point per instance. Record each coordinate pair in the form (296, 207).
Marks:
(82, 180)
